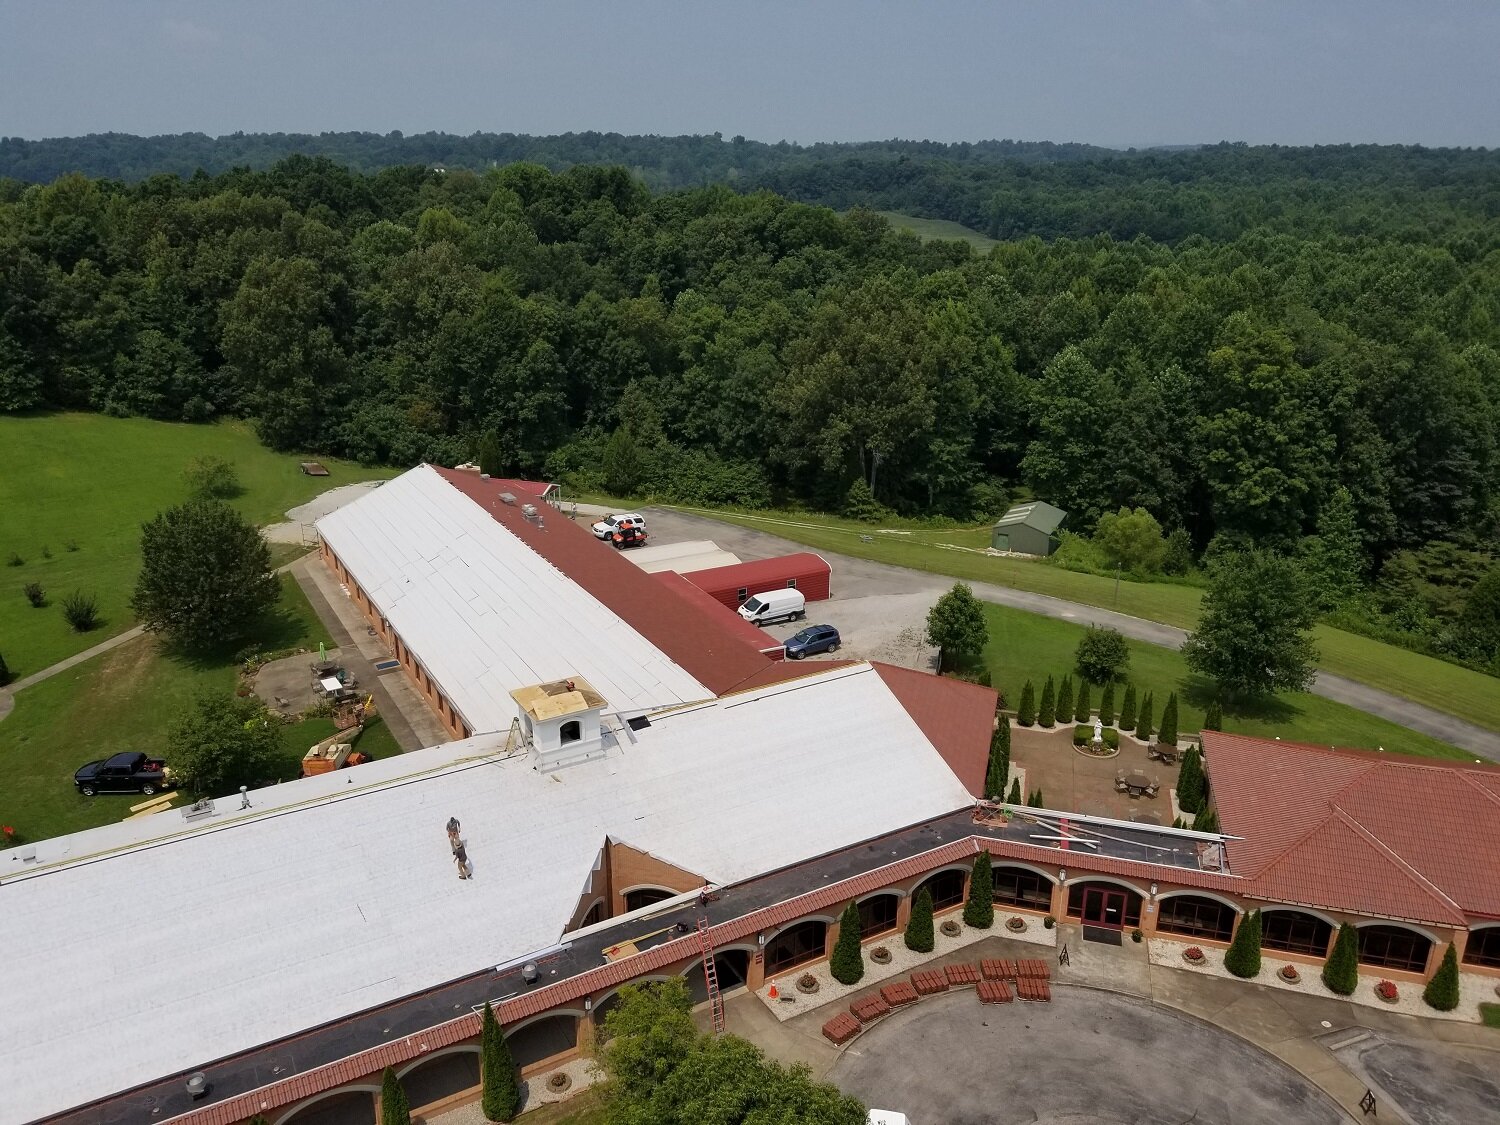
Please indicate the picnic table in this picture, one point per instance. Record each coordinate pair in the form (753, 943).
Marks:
(1135, 783)
(330, 684)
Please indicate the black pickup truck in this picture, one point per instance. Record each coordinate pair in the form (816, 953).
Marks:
(123, 773)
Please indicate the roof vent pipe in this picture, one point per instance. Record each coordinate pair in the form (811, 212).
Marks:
(529, 972)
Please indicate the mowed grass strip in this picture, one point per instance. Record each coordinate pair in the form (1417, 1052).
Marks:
(124, 700)
(1024, 646)
(93, 481)
(1436, 683)
(929, 230)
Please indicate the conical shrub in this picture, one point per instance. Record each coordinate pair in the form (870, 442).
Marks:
(1442, 990)
(1047, 713)
(979, 909)
(1341, 970)
(1167, 735)
(394, 1109)
(1243, 957)
(847, 963)
(1014, 796)
(998, 771)
(919, 935)
(1065, 700)
(1026, 712)
(1190, 780)
(1143, 720)
(1083, 709)
(1214, 719)
(501, 1099)
(1127, 709)
(1107, 704)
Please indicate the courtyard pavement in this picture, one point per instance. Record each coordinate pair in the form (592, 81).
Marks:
(1421, 1071)
(1083, 783)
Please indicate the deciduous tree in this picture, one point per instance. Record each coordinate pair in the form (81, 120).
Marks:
(1252, 636)
(222, 742)
(1102, 655)
(956, 625)
(1132, 540)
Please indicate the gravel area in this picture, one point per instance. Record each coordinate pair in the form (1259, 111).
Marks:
(534, 1092)
(1472, 988)
(903, 961)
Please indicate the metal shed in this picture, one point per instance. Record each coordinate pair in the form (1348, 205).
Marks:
(1028, 529)
(731, 585)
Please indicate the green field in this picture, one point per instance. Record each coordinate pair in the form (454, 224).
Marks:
(124, 700)
(929, 230)
(1436, 683)
(1024, 646)
(91, 481)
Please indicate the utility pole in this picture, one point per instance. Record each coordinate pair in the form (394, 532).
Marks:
(1117, 586)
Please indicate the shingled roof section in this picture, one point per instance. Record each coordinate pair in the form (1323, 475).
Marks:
(685, 631)
(957, 718)
(1409, 838)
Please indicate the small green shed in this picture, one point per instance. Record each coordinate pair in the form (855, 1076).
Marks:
(1028, 529)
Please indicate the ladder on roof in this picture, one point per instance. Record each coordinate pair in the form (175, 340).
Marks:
(711, 976)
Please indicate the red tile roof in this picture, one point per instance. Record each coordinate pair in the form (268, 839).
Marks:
(957, 718)
(685, 631)
(729, 621)
(1410, 838)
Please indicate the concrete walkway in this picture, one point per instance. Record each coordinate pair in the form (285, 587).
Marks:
(1309, 1033)
(875, 578)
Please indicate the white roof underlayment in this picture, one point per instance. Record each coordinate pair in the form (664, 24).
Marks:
(684, 558)
(485, 613)
(145, 948)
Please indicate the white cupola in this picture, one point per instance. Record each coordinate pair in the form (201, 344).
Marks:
(561, 722)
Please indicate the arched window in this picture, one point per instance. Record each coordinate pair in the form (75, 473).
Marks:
(1392, 947)
(877, 914)
(595, 914)
(1483, 948)
(1020, 886)
(571, 731)
(946, 889)
(796, 945)
(646, 896)
(1196, 916)
(1291, 931)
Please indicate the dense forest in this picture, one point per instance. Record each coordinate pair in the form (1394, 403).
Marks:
(1326, 380)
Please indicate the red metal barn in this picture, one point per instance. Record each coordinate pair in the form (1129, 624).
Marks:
(731, 585)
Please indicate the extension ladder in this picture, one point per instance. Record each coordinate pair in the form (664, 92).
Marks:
(711, 976)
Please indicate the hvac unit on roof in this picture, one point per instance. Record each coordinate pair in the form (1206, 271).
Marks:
(507, 498)
(529, 511)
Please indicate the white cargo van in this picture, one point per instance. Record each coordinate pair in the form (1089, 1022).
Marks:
(774, 605)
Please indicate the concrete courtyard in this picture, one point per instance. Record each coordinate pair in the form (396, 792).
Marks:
(1083, 783)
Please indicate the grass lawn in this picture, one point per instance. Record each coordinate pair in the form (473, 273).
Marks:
(586, 1108)
(1026, 646)
(929, 229)
(124, 700)
(1446, 687)
(92, 481)
(1489, 1013)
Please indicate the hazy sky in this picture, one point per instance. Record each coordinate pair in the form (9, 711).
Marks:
(1119, 73)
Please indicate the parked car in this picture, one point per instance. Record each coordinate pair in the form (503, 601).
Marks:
(813, 640)
(606, 528)
(774, 605)
(123, 773)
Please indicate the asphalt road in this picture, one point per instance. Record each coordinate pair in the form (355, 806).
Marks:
(860, 577)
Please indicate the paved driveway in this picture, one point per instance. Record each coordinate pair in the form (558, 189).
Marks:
(1088, 1058)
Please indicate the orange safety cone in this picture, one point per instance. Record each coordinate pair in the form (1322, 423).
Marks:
(773, 994)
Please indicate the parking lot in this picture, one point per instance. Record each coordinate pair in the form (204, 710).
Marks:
(878, 617)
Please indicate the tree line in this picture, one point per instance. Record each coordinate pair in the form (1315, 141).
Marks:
(1334, 396)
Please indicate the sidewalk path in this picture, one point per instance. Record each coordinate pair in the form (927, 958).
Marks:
(880, 578)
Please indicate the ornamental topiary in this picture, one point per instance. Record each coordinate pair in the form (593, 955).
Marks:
(1341, 970)
(1167, 735)
(1107, 704)
(1143, 720)
(1065, 699)
(847, 963)
(1082, 709)
(394, 1109)
(1190, 787)
(919, 936)
(979, 910)
(501, 1100)
(1127, 709)
(1026, 712)
(1243, 958)
(1442, 990)
(1047, 714)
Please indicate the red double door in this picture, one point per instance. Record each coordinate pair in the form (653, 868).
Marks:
(1104, 907)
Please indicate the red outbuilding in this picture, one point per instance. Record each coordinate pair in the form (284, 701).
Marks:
(731, 585)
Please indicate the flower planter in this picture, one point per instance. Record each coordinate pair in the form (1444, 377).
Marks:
(1289, 974)
(880, 955)
(807, 983)
(1136, 935)
(1387, 991)
(951, 928)
(1193, 955)
(1049, 921)
(558, 1081)
(1015, 924)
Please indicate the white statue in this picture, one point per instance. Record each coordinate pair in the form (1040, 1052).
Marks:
(1098, 730)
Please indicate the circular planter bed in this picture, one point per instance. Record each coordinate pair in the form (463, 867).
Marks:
(1387, 992)
(558, 1081)
(807, 983)
(1015, 924)
(1193, 955)
(951, 928)
(880, 955)
(1289, 974)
